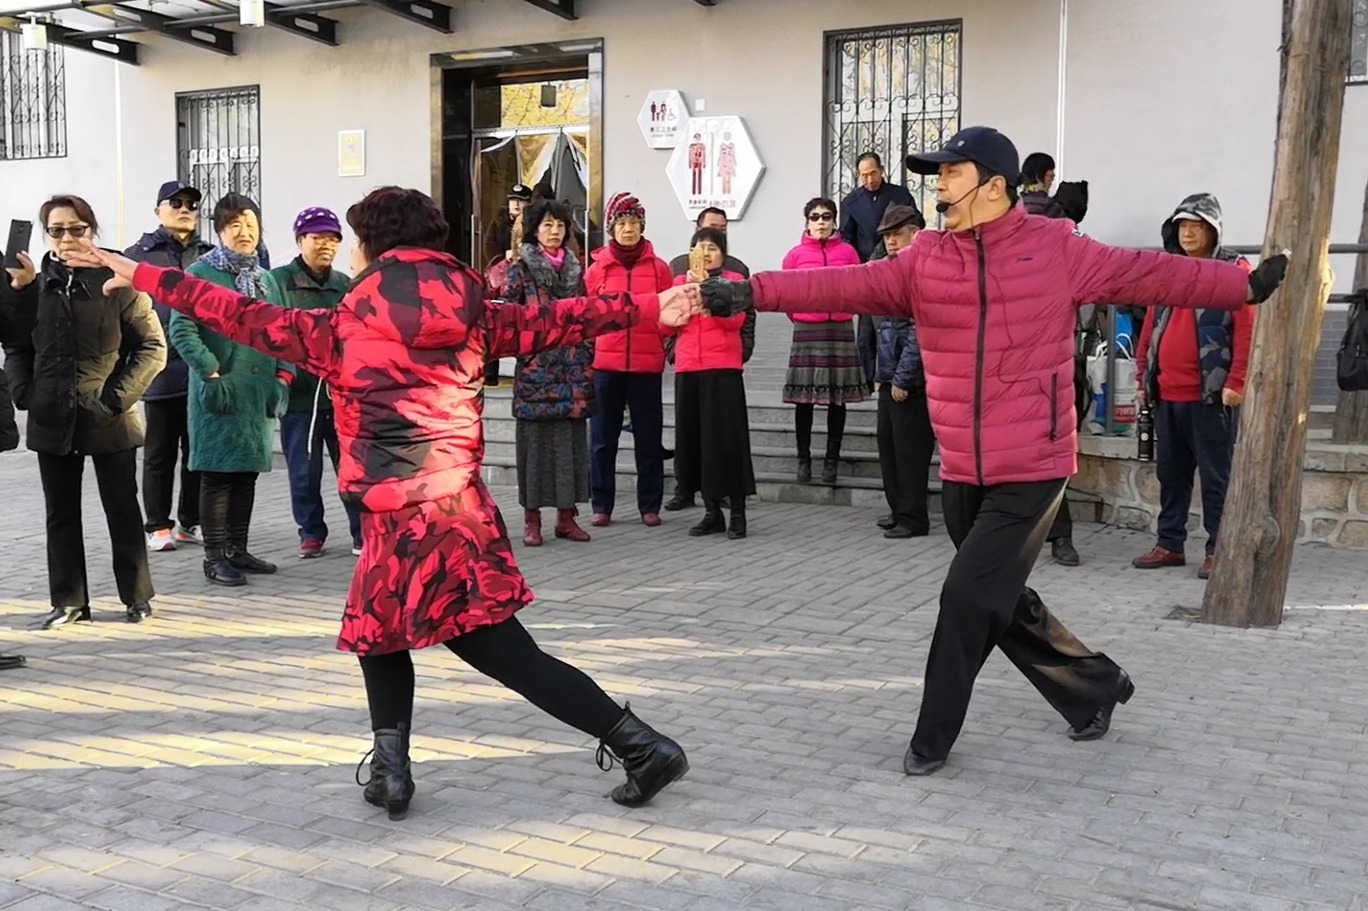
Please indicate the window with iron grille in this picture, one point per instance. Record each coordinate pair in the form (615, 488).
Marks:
(892, 90)
(32, 101)
(1358, 44)
(218, 146)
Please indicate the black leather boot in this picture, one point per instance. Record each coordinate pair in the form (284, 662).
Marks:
(391, 781)
(650, 759)
(804, 469)
(712, 524)
(219, 571)
(238, 555)
(737, 527)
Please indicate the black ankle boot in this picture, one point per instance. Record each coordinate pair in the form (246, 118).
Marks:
(804, 469)
(828, 471)
(712, 524)
(242, 561)
(219, 571)
(391, 781)
(737, 528)
(650, 759)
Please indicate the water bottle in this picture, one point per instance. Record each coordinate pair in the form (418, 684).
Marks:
(1144, 434)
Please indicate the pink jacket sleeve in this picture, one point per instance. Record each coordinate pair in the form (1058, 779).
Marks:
(1149, 279)
(883, 288)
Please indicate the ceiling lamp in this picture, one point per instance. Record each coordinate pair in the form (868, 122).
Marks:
(34, 36)
(252, 13)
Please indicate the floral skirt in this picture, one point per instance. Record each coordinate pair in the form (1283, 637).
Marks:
(429, 573)
(824, 366)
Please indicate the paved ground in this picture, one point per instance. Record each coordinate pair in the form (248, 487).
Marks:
(205, 759)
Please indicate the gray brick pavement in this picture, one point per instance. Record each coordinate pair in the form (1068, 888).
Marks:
(204, 759)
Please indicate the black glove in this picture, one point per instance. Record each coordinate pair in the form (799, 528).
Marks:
(1266, 278)
(724, 298)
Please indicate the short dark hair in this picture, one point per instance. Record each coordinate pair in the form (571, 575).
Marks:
(392, 217)
(1034, 168)
(710, 210)
(231, 206)
(987, 174)
(869, 156)
(70, 201)
(712, 236)
(538, 212)
(818, 202)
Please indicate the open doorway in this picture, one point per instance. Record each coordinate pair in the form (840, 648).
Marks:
(529, 115)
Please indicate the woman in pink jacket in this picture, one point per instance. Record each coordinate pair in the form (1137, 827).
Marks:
(824, 365)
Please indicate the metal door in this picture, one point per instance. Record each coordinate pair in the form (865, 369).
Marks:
(218, 145)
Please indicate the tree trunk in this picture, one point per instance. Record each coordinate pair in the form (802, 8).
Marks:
(1351, 408)
(1263, 506)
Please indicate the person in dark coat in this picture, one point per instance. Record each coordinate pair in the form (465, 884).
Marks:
(1037, 177)
(307, 428)
(15, 326)
(864, 207)
(888, 347)
(236, 392)
(79, 374)
(175, 243)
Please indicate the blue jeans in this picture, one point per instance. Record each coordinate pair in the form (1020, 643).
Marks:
(614, 392)
(305, 464)
(1192, 437)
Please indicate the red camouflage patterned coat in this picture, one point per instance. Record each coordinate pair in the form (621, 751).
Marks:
(403, 356)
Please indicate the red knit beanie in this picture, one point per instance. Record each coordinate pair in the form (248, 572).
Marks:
(623, 205)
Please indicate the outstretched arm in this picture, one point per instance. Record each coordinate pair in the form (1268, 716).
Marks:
(525, 329)
(1102, 273)
(300, 337)
(883, 288)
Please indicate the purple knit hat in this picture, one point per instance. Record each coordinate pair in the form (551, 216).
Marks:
(317, 221)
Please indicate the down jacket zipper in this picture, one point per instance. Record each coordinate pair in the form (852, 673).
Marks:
(978, 365)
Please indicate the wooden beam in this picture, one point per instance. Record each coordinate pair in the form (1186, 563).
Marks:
(1263, 504)
(433, 15)
(563, 8)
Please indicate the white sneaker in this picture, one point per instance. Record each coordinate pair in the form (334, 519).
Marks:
(160, 541)
(356, 550)
(189, 535)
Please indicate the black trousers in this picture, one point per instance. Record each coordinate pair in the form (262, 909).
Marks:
(226, 503)
(116, 476)
(906, 444)
(998, 532)
(168, 436)
(507, 653)
(1062, 527)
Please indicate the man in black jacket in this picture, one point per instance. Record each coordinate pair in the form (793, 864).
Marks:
(174, 244)
(864, 208)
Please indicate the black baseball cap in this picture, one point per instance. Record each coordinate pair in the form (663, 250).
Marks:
(173, 188)
(984, 146)
(520, 191)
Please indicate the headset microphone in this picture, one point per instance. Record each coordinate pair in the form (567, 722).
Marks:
(943, 207)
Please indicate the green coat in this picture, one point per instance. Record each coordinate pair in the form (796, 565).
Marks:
(232, 418)
(303, 292)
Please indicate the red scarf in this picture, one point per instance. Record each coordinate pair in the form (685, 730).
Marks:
(628, 256)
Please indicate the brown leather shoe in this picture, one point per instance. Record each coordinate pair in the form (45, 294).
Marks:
(1159, 559)
(1207, 565)
(567, 527)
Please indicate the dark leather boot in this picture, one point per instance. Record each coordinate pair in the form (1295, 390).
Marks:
(391, 781)
(532, 529)
(737, 528)
(712, 523)
(650, 759)
(61, 616)
(833, 456)
(804, 469)
(239, 525)
(680, 500)
(568, 528)
(828, 471)
(219, 571)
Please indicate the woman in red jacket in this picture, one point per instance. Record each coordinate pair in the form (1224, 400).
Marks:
(824, 364)
(627, 366)
(712, 435)
(404, 356)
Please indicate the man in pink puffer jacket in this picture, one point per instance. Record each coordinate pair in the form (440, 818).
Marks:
(994, 298)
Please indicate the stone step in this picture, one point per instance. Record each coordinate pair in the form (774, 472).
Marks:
(858, 439)
(766, 410)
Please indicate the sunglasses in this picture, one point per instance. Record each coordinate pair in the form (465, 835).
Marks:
(822, 216)
(56, 231)
(186, 204)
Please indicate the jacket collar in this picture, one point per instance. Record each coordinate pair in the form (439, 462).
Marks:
(55, 275)
(996, 230)
(408, 256)
(162, 237)
(302, 278)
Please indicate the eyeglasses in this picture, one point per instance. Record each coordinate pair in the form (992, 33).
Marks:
(56, 231)
(186, 204)
(822, 216)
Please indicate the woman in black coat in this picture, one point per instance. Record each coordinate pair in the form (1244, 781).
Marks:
(79, 374)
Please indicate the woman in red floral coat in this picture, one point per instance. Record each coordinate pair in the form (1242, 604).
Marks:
(404, 356)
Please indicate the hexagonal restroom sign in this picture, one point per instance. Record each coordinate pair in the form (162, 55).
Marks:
(715, 164)
(662, 114)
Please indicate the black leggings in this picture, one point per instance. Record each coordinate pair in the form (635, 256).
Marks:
(507, 653)
(836, 420)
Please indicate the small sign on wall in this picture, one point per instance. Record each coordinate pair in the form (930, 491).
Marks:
(351, 153)
(662, 114)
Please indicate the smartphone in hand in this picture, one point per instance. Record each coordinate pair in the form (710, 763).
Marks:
(20, 234)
